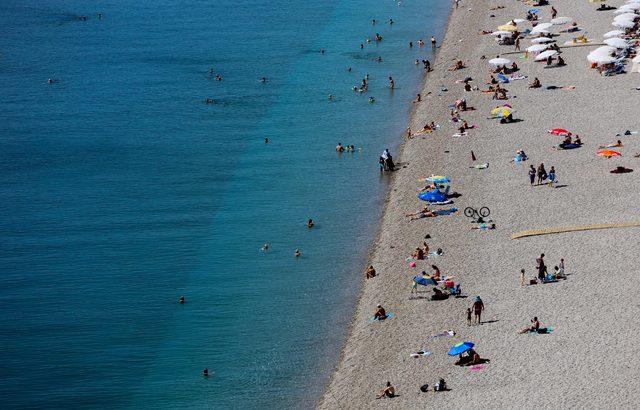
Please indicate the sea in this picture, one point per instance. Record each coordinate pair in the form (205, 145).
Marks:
(122, 190)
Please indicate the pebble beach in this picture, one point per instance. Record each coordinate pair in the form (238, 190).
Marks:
(586, 360)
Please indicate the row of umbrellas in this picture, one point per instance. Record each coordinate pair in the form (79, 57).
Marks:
(625, 19)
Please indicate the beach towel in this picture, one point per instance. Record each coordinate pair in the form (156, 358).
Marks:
(445, 211)
(448, 333)
(481, 166)
(420, 353)
(476, 368)
(515, 77)
(389, 317)
(502, 78)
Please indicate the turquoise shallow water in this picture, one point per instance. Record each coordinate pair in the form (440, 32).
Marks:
(121, 190)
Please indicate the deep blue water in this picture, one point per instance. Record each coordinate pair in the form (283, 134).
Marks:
(121, 191)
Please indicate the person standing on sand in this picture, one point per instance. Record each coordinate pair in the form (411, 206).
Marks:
(532, 174)
(554, 12)
(468, 316)
(478, 307)
(522, 277)
(517, 43)
(542, 269)
(552, 176)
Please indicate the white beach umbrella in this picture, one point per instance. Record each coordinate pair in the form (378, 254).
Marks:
(562, 20)
(499, 61)
(623, 24)
(628, 8)
(601, 59)
(546, 54)
(616, 42)
(628, 15)
(604, 51)
(536, 48)
(541, 40)
(517, 21)
(536, 30)
(543, 26)
(501, 33)
(613, 33)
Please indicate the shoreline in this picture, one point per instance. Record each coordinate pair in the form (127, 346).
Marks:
(373, 248)
(488, 263)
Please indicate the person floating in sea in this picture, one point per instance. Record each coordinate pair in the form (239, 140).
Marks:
(205, 372)
(310, 223)
(263, 80)
(339, 147)
(297, 253)
(181, 300)
(266, 140)
(265, 247)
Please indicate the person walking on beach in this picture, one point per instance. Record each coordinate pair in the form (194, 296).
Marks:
(542, 173)
(517, 43)
(478, 307)
(532, 174)
(554, 12)
(561, 266)
(552, 176)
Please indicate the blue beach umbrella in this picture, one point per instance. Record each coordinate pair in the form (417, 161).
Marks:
(424, 281)
(460, 348)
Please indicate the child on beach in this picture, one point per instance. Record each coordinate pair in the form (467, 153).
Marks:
(521, 277)
(468, 316)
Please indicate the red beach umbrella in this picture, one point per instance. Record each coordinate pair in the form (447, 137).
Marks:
(559, 131)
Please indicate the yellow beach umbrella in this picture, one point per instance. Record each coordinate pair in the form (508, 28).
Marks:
(507, 27)
(501, 112)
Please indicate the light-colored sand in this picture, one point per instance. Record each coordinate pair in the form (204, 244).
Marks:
(589, 360)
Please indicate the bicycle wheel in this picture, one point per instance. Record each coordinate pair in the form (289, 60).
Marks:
(469, 212)
(484, 212)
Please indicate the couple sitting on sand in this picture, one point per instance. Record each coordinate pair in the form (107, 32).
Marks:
(470, 359)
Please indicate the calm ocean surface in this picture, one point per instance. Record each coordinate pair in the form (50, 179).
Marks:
(121, 191)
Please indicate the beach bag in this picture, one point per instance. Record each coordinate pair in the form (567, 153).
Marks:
(424, 388)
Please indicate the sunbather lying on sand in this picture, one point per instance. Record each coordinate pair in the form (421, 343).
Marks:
(617, 144)
(423, 213)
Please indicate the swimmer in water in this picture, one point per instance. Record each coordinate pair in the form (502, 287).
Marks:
(266, 140)
(265, 247)
(392, 83)
(371, 100)
(218, 78)
(209, 101)
(330, 98)
(205, 372)
(50, 81)
(339, 147)
(310, 223)
(322, 51)
(297, 253)
(263, 80)
(181, 300)
(349, 69)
